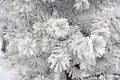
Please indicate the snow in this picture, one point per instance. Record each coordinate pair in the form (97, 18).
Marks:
(4, 75)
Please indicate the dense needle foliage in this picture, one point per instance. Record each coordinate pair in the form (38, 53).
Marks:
(60, 39)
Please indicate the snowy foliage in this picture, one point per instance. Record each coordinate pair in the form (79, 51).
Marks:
(59, 62)
(82, 4)
(27, 46)
(59, 27)
(60, 39)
